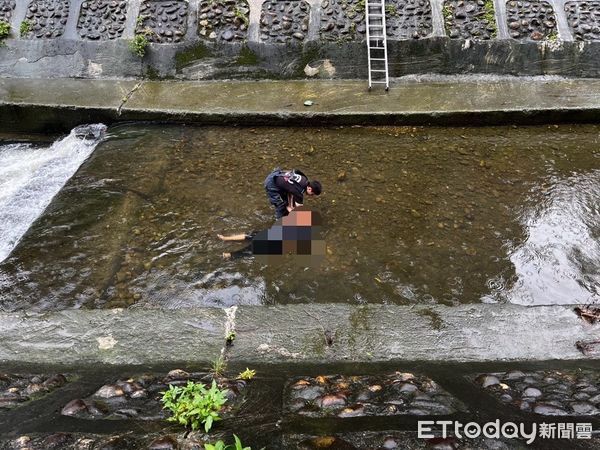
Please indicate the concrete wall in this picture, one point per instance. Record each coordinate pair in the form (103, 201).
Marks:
(294, 39)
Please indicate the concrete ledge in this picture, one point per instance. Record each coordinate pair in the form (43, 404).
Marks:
(59, 104)
(83, 337)
(296, 334)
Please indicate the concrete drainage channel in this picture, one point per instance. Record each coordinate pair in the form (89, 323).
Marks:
(80, 377)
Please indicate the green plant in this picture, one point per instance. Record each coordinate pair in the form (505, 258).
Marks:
(230, 338)
(4, 29)
(391, 10)
(24, 28)
(247, 374)
(140, 21)
(194, 404)
(218, 366)
(220, 445)
(138, 44)
(240, 15)
(553, 36)
(448, 12)
(490, 16)
(357, 8)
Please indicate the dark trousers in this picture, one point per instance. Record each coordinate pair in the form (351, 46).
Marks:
(275, 198)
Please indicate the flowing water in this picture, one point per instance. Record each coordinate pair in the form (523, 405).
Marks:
(412, 215)
(30, 176)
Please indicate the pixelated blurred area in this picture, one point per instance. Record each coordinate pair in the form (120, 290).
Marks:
(299, 234)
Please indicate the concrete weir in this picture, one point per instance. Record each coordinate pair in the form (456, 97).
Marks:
(297, 334)
(42, 105)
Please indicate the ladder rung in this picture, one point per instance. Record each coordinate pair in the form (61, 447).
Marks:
(375, 15)
(378, 70)
(375, 26)
(377, 59)
(378, 82)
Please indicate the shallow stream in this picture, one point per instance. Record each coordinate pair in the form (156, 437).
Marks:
(412, 215)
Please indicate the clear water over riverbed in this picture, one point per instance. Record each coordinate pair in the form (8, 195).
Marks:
(412, 215)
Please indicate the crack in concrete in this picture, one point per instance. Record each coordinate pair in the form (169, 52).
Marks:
(125, 99)
(47, 57)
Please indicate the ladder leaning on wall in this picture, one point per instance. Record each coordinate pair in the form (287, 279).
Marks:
(377, 43)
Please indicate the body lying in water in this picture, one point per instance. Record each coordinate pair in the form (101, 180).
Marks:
(298, 233)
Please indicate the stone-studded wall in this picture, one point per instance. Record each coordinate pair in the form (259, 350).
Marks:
(470, 19)
(163, 21)
(47, 18)
(406, 19)
(6, 9)
(531, 20)
(344, 20)
(584, 19)
(102, 19)
(297, 38)
(290, 21)
(284, 21)
(224, 20)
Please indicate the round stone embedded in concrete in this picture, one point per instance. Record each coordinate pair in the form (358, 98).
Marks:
(102, 19)
(533, 20)
(6, 9)
(550, 393)
(284, 22)
(226, 21)
(162, 21)
(18, 389)
(409, 19)
(379, 395)
(470, 19)
(584, 20)
(47, 18)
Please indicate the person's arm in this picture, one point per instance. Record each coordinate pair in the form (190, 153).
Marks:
(233, 237)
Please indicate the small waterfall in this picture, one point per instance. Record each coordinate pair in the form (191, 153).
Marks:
(31, 176)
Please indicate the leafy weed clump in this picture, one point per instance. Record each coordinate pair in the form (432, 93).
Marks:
(138, 44)
(220, 445)
(4, 29)
(25, 28)
(247, 374)
(194, 404)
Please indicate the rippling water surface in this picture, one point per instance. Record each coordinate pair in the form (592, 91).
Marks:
(31, 175)
(412, 215)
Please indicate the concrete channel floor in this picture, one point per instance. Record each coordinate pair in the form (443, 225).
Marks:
(43, 104)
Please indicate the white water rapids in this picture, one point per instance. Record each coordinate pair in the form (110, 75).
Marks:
(31, 176)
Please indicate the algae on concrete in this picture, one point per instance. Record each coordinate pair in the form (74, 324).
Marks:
(191, 54)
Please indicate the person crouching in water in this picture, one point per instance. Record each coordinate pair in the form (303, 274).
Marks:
(286, 188)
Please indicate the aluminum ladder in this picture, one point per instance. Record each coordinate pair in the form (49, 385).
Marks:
(377, 43)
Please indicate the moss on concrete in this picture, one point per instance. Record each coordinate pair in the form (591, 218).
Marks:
(191, 54)
(247, 57)
(151, 73)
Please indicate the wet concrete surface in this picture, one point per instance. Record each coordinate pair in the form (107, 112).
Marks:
(59, 104)
(296, 334)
